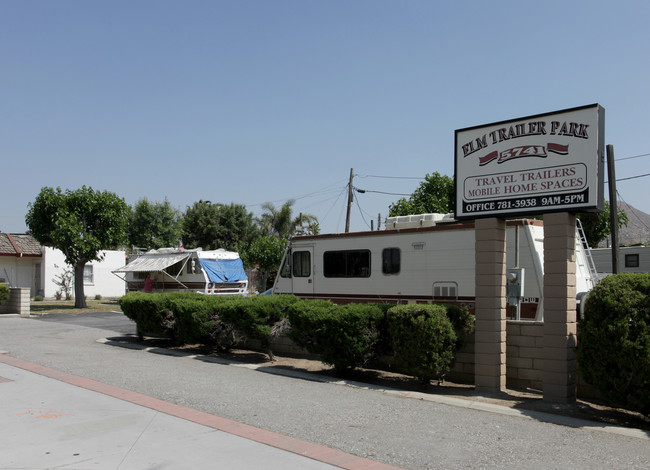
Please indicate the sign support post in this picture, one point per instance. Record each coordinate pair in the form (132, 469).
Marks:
(560, 326)
(490, 306)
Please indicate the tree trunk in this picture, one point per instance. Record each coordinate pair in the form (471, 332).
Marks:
(79, 296)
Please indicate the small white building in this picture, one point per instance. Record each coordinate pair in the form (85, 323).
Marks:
(25, 263)
(98, 276)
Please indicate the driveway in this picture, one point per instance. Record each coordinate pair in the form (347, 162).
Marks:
(405, 432)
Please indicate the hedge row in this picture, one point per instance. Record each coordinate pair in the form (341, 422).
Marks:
(418, 340)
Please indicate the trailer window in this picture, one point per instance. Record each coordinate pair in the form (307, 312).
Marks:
(193, 266)
(285, 271)
(350, 263)
(301, 264)
(390, 260)
(632, 261)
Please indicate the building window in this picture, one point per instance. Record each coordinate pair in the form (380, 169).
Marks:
(88, 275)
(390, 260)
(301, 264)
(632, 260)
(350, 263)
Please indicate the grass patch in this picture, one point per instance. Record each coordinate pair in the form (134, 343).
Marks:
(67, 306)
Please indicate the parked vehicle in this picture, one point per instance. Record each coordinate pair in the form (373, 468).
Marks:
(215, 272)
(426, 258)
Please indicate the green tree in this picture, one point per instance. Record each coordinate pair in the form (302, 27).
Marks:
(436, 194)
(280, 223)
(154, 225)
(266, 252)
(4, 293)
(80, 223)
(597, 225)
(213, 226)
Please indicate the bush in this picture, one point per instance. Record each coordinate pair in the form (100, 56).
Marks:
(151, 313)
(423, 339)
(614, 340)
(98, 297)
(37, 298)
(344, 336)
(260, 318)
(4, 293)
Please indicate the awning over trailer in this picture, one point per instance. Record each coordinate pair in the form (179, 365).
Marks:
(224, 270)
(155, 263)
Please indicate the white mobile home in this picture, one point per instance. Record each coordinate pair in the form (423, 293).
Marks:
(214, 272)
(417, 259)
(631, 259)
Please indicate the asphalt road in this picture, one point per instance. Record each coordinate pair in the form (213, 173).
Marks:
(405, 432)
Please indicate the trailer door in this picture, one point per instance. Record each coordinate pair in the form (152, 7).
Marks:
(302, 271)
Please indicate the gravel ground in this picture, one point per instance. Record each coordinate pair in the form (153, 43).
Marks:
(413, 433)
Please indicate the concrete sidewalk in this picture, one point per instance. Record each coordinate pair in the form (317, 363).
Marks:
(52, 419)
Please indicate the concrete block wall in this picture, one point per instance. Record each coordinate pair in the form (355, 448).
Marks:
(18, 302)
(524, 358)
(525, 355)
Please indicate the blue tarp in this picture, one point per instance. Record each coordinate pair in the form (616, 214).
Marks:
(224, 270)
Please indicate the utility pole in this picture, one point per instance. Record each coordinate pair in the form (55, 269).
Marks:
(613, 207)
(350, 195)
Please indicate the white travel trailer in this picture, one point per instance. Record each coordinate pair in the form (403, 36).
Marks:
(215, 272)
(631, 259)
(418, 259)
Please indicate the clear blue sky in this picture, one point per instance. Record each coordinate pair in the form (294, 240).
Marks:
(261, 100)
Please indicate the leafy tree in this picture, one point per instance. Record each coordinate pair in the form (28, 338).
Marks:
(80, 223)
(280, 223)
(213, 226)
(266, 252)
(4, 293)
(154, 225)
(435, 194)
(597, 225)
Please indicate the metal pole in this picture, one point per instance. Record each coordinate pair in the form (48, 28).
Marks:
(613, 207)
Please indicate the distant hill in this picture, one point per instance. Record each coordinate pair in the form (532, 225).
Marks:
(637, 230)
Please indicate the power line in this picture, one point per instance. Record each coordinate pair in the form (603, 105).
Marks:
(633, 177)
(632, 209)
(634, 156)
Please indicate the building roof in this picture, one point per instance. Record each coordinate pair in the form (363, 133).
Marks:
(19, 244)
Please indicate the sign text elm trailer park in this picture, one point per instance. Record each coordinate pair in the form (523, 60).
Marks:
(545, 163)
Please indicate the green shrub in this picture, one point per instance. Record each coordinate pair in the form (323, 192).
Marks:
(4, 293)
(151, 313)
(98, 297)
(423, 339)
(198, 319)
(344, 336)
(192, 319)
(614, 340)
(37, 298)
(261, 317)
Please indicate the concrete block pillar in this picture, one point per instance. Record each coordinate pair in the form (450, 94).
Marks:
(560, 322)
(490, 307)
(18, 302)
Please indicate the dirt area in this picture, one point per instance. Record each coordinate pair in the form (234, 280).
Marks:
(523, 400)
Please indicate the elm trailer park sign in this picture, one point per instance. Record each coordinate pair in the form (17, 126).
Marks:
(545, 163)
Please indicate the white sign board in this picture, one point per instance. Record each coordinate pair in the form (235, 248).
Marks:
(545, 163)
